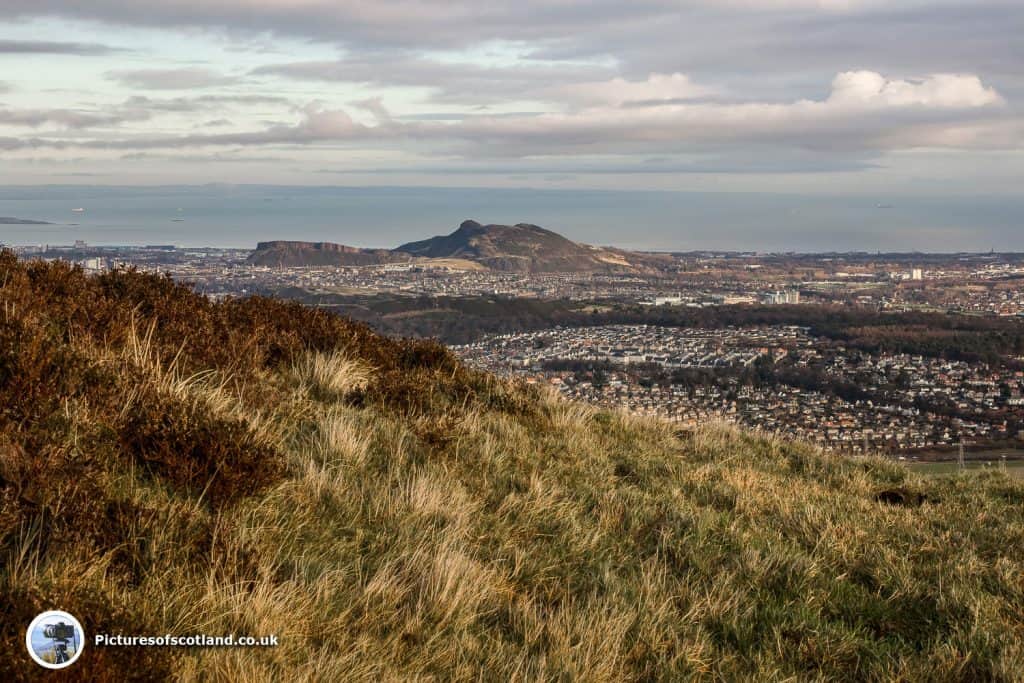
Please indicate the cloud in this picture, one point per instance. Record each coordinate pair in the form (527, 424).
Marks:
(450, 81)
(201, 103)
(788, 5)
(11, 144)
(171, 79)
(44, 47)
(733, 163)
(864, 110)
(771, 49)
(381, 23)
(870, 89)
(864, 115)
(69, 118)
(668, 88)
(233, 156)
(374, 105)
(531, 87)
(317, 125)
(596, 27)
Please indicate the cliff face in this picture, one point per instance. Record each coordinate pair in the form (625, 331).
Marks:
(316, 246)
(283, 253)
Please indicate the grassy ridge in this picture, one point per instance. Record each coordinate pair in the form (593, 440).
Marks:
(170, 465)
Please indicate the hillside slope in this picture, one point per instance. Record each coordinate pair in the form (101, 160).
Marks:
(173, 465)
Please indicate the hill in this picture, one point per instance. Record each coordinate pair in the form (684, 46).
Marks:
(284, 253)
(521, 247)
(170, 464)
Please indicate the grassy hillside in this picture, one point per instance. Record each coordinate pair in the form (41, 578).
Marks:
(170, 465)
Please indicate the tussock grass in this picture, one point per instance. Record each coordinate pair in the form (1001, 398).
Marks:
(391, 515)
(331, 375)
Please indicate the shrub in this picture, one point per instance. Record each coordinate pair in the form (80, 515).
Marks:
(198, 452)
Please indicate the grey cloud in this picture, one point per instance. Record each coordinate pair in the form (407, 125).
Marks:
(230, 156)
(749, 161)
(643, 35)
(374, 105)
(864, 116)
(404, 22)
(171, 79)
(768, 55)
(763, 49)
(460, 82)
(668, 102)
(760, 70)
(317, 125)
(11, 144)
(45, 47)
(69, 118)
(460, 116)
(242, 99)
(204, 102)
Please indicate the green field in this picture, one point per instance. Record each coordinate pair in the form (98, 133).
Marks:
(1015, 468)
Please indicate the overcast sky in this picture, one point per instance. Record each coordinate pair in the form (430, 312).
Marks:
(810, 96)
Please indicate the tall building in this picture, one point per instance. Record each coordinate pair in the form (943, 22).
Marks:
(783, 296)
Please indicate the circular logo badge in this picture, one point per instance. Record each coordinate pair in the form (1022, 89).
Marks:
(55, 639)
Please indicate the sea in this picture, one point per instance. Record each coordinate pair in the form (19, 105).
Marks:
(242, 215)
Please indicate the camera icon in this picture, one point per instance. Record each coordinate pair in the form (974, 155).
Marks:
(55, 639)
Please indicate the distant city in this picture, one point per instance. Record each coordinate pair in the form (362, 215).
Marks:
(985, 284)
(887, 402)
(788, 378)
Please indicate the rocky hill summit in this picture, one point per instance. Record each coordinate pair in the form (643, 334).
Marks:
(521, 247)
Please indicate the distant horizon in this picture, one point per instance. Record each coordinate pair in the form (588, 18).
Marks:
(384, 216)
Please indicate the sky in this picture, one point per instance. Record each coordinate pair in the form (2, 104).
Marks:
(864, 98)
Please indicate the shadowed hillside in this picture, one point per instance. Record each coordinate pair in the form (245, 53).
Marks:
(288, 254)
(173, 465)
